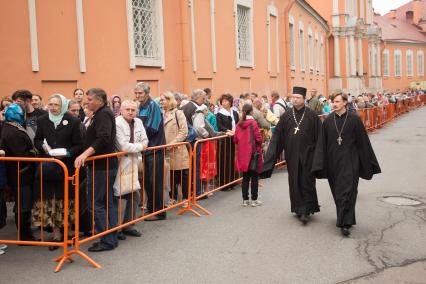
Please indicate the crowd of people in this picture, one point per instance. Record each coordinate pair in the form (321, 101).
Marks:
(73, 130)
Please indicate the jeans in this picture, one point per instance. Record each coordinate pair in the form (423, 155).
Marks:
(103, 198)
(153, 181)
(254, 178)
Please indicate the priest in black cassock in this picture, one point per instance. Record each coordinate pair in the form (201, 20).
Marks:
(344, 155)
(297, 134)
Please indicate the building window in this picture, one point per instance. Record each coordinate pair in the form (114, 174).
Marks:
(292, 51)
(322, 57)
(244, 34)
(147, 32)
(409, 62)
(420, 63)
(398, 62)
(317, 53)
(310, 51)
(301, 47)
(386, 62)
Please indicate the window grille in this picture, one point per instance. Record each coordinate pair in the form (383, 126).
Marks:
(146, 29)
(244, 37)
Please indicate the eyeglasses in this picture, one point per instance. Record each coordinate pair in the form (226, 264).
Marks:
(139, 93)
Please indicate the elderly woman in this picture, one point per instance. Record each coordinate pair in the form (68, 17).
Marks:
(16, 143)
(58, 129)
(176, 130)
(227, 119)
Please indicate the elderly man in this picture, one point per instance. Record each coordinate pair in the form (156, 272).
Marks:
(150, 114)
(131, 138)
(100, 137)
(197, 100)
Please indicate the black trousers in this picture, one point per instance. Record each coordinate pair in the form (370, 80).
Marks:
(179, 177)
(153, 181)
(253, 177)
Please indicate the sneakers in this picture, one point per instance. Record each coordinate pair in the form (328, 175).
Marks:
(246, 203)
(256, 203)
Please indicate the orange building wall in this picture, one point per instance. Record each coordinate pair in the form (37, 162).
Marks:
(107, 49)
(392, 83)
(307, 78)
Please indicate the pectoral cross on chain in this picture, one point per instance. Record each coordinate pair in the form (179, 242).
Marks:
(296, 129)
(339, 140)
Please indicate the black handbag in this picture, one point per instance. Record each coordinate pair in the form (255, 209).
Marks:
(51, 172)
(254, 160)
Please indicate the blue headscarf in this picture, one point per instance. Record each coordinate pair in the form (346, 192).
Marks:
(15, 113)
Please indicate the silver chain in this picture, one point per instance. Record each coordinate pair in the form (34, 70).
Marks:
(343, 126)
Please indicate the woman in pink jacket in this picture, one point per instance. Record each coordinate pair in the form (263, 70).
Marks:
(247, 137)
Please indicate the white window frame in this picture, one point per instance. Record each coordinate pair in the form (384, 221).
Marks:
(310, 50)
(409, 60)
(322, 56)
(420, 71)
(317, 53)
(302, 58)
(248, 4)
(386, 63)
(292, 48)
(272, 11)
(140, 61)
(396, 53)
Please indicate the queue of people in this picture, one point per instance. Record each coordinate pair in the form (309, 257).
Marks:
(86, 125)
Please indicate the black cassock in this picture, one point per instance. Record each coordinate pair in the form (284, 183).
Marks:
(299, 151)
(344, 164)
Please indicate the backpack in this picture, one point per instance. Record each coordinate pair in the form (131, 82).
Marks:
(192, 135)
(285, 107)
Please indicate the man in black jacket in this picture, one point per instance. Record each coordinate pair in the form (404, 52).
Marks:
(100, 137)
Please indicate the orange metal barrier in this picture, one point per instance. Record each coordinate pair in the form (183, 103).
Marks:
(159, 151)
(29, 167)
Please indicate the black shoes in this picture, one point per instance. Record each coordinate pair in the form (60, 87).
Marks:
(132, 233)
(304, 219)
(156, 218)
(98, 247)
(121, 236)
(345, 231)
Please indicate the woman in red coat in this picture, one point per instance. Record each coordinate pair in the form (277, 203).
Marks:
(247, 137)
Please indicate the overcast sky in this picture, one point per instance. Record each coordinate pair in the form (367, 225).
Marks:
(384, 6)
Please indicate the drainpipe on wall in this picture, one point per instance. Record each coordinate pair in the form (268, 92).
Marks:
(186, 48)
(287, 44)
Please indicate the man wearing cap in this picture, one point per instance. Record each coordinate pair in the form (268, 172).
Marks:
(297, 134)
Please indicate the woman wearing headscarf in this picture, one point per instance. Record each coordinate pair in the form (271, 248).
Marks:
(16, 143)
(115, 105)
(58, 129)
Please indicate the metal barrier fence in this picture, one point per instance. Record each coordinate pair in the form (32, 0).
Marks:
(152, 168)
(210, 168)
(30, 175)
